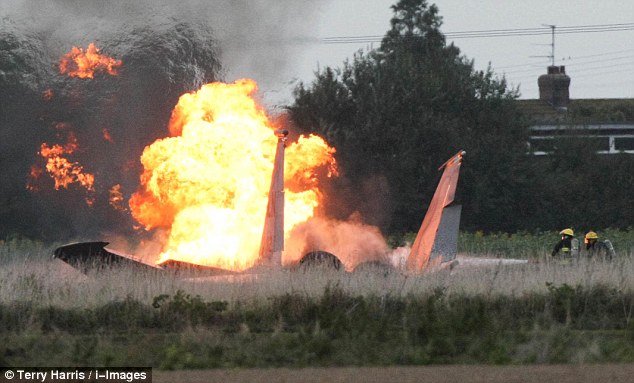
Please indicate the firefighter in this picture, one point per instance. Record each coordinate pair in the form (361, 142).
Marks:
(596, 248)
(567, 245)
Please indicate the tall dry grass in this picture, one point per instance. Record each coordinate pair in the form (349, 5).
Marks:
(29, 274)
(482, 311)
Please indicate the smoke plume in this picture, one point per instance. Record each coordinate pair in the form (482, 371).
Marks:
(166, 49)
(352, 241)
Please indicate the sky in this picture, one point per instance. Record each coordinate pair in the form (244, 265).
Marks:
(600, 64)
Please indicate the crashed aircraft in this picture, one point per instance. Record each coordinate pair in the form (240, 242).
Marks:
(435, 245)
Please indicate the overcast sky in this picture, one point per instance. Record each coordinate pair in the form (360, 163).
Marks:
(600, 64)
(281, 42)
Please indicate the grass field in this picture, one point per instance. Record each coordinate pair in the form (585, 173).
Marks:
(544, 311)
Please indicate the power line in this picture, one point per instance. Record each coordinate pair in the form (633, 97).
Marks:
(536, 64)
(603, 54)
(593, 85)
(603, 71)
(577, 66)
(596, 73)
(601, 61)
(539, 64)
(580, 63)
(574, 64)
(513, 32)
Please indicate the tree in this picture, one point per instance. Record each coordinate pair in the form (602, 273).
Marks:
(395, 113)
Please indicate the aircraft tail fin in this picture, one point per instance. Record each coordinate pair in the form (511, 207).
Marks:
(437, 238)
(272, 244)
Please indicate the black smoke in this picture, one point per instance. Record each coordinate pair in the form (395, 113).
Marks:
(167, 49)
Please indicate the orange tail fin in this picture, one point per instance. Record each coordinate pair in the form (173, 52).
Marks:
(438, 233)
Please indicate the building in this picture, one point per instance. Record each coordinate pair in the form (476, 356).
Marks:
(605, 125)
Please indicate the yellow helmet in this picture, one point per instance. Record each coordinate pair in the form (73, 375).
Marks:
(591, 235)
(567, 232)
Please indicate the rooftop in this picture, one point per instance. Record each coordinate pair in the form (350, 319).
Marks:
(579, 112)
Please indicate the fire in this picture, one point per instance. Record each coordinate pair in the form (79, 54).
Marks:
(63, 171)
(48, 95)
(34, 175)
(83, 64)
(106, 135)
(116, 199)
(207, 184)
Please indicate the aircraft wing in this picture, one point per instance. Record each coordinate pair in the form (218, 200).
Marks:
(180, 266)
(86, 256)
(94, 256)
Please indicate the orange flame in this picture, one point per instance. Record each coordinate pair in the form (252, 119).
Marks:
(116, 199)
(48, 95)
(208, 183)
(62, 170)
(106, 135)
(35, 174)
(78, 63)
(61, 126)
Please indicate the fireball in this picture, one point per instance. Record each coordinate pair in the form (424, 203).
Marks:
(208, 183)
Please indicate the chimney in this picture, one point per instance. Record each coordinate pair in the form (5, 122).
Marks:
(553, 87)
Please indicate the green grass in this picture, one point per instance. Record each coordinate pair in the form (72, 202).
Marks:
(534, 245)
(565, 325)
(541, 312)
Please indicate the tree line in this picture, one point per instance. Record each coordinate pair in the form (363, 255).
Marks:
(397, 112)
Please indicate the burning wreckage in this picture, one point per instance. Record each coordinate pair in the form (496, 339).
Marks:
(213, 196)
(435, 245)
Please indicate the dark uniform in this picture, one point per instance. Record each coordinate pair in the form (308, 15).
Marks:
(565, 245)
(598, 249)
